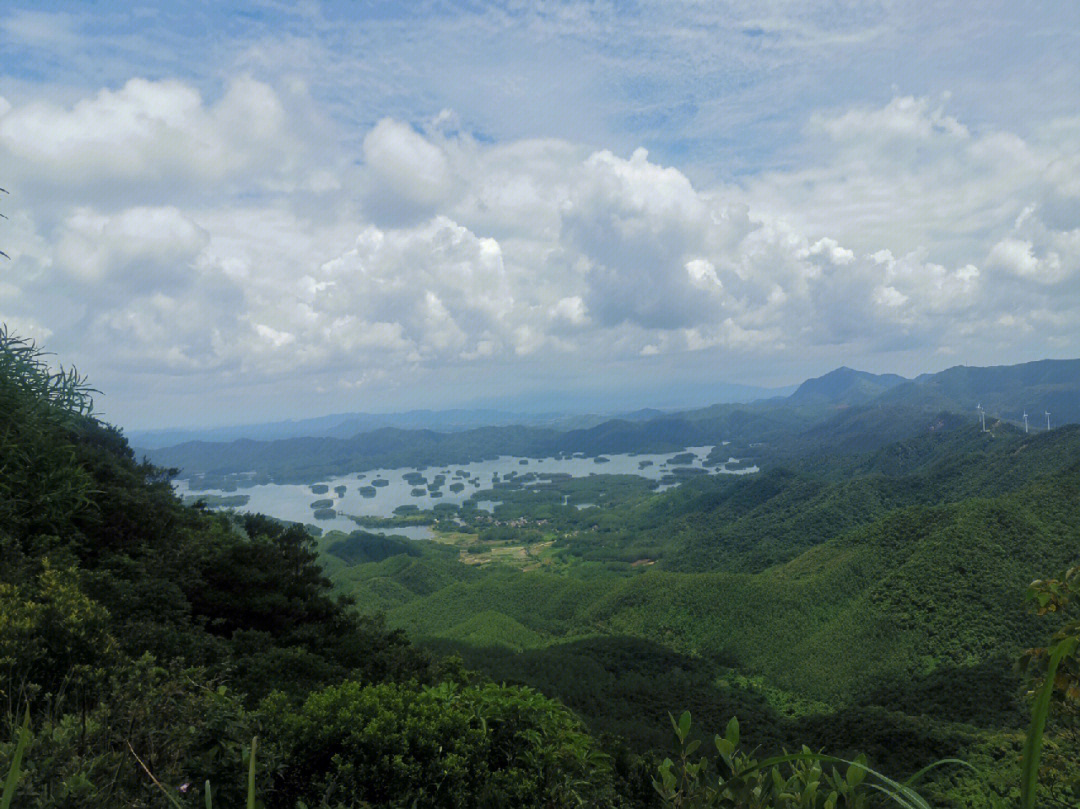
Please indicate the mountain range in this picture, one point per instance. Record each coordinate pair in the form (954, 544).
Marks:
(844, 411)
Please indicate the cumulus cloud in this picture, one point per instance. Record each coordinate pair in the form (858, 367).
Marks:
(151, 134)
(1037, 253)
(908, 175)
(446, 287)
(641, 230)
(913, 232)
(408, 175)
(140, 248)
(905, 119)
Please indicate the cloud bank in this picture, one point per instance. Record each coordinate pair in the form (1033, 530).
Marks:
(244, 243)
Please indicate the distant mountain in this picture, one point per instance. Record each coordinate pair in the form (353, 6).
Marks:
(299, 460)
(845, 386)
(346, 425)
(844, 412)
(554, 410)
(1004, 391)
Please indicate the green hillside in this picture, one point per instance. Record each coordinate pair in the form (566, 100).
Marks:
(868, 597)
(885, 594)
(882, 601)
(845, 386)
(1005, 391)
(147, 643)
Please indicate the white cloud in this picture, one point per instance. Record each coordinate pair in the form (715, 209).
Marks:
(1014, 255)
(572, 310)
(1047, 257)
(26, 328)
(141, 248)
(832, 250)
(702, 273)
(890, 297)
(409, 175)
(636, 225)
(908, 176)
(446, 252)
(156, 133)
(903, 119)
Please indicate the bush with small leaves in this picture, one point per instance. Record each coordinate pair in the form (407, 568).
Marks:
(804, 780)
(444, 746)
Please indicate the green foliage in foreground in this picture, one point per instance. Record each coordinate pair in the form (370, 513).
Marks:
(788, 781)
(446, 746)
(1057, 667)
(15, 769)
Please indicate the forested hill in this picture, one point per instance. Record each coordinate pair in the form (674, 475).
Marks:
(306, 459)
(145, 644)
(845, 386)
(841, 413)
(1005, 391)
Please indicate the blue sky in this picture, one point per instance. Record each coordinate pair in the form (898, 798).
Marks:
(229, 212)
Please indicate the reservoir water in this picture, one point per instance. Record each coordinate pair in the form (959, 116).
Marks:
(393, 489)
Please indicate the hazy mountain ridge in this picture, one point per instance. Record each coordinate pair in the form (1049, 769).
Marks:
(845, 386)
(1004, 391)
(843, 412)
(346, 425)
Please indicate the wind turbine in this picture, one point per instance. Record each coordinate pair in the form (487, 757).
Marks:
(1025, 421)
(982, 416)
(1048, 421)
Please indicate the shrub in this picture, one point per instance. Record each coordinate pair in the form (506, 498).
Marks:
(445, 746)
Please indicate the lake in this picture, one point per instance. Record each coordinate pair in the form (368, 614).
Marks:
(293, 501)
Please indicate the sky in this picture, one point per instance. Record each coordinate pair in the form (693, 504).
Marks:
(225, 212)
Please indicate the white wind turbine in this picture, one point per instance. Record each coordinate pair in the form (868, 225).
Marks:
(982, 416)
(1048, 421)
(1025, 421)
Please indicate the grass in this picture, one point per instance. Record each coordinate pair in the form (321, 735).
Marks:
(1029, 766)
(15, 770)
(207, 791)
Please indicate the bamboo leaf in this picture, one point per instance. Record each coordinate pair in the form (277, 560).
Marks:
(15, 770)
(1029, 767)
(251, 775)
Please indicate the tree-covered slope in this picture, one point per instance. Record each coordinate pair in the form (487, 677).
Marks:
(845, 386)
(148, 642)
(752, 523)
(894, 597)
(1004, 391)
